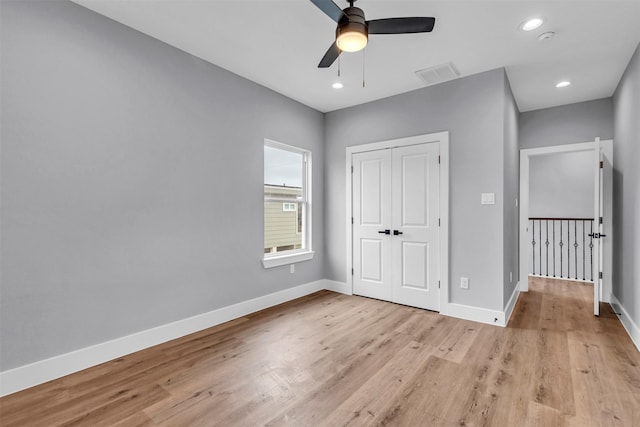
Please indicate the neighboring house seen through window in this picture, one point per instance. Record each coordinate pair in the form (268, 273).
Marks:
(287, 204)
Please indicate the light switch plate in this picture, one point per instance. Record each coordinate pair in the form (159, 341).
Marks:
(488, 198)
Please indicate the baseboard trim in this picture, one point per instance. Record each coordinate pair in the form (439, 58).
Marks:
(45, 370)
(627, 322)
(508, 309)
(340, 287)
(476, 314)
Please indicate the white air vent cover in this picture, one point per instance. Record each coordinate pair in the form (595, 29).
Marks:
(438, 74)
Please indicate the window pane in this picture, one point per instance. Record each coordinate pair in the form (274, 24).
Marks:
(282, 227)
(286, 200)
(282, 168)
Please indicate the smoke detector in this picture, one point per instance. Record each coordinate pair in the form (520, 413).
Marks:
(546, 36)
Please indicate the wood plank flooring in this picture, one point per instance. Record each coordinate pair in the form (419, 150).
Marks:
(336, 360)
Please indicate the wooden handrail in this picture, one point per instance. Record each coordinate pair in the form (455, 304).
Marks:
(561, 219)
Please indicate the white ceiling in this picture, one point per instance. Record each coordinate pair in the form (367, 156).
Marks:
(278, 43)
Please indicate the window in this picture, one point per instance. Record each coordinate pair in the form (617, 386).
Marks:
(287, 204)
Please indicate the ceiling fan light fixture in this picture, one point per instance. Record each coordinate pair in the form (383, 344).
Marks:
(350, 38)
(352, 32)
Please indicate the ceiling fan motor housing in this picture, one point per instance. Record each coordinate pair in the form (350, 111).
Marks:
(352, 32)
(355, 23)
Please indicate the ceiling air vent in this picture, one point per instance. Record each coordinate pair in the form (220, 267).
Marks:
(438, 74)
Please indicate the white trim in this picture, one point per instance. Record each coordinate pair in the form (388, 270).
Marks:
(444, 223)
(524, 221)
(627, 322)
(525, 155)
(289, 258)
(476, 314)
(511, 304)
(340, 287)
(443, 139)
(564, 148)
(306, 253)
(42, 371)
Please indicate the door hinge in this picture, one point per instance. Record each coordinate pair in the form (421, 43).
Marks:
(600, 275)
(352, 271)
(438, 159)
(601, 164)
(601, 220)
(351, 169)
(351, 220)
(438, 222)
(438, 284)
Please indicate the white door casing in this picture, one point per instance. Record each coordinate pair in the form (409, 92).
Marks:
(442, 271)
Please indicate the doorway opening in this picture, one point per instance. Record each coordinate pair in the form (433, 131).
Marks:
(565, 216)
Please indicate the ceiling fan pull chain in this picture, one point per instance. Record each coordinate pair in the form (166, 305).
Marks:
(363, 62)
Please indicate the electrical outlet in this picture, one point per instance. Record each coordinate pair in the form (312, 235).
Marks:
(464, 282)
(292, 268)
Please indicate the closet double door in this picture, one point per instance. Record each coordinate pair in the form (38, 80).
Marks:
(396, 225)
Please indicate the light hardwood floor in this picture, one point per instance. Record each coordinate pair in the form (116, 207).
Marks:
(336, 360)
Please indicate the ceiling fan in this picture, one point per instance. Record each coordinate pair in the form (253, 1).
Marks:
(353, 30)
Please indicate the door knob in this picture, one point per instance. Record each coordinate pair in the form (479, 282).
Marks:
(384, 231)
(596, 235)
(396, 232)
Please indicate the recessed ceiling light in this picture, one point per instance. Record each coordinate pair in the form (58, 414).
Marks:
(531, 24)
(337, 85)
(563, 83)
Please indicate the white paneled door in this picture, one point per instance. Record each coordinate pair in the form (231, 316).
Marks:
(395, 225)
(372, 224)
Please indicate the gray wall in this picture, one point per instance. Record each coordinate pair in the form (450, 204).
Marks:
(472, 109)
(131, 182)
(561, 185)
(626, 190)
(511, 161)
(567, 124)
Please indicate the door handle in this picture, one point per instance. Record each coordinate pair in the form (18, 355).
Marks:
(596, 235)
(397, 233)
(384, 231)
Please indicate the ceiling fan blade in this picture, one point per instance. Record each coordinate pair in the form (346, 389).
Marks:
(401, 25)
(330, 9)
(329, 58)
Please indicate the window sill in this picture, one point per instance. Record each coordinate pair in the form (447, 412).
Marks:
(277, 261)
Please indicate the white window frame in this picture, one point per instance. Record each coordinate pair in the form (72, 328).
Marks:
(306, 252)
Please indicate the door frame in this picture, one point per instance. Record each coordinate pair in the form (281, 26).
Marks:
(606, 147)
(443, 139)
